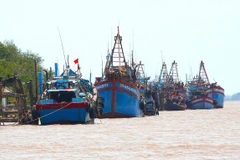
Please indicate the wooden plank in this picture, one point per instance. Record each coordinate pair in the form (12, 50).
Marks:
(11, 112)
(8, 120)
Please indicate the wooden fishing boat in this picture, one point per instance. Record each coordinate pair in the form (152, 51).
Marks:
(172, 89)
(198, 97)
(118, 86)
(217, 93)
(149, 101)
(67, 99)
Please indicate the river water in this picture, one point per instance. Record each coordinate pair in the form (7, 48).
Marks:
(185, 135)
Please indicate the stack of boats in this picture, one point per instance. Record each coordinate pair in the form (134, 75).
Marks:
(172, 89)
(197, 93)
(203, 94)
(122, 91)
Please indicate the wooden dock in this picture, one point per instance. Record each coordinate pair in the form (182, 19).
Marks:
(9, 116)
(8, 120)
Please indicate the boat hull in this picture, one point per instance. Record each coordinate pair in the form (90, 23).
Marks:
(170, 106)
(121, 99)
(65, 113)
(217, 93)
(201, 103)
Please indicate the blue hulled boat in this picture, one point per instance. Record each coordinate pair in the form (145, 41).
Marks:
(68, 99)
(149, 98)
(200, 101)
(197, 91)
(172, 89)
(217, 93)
(118, 86)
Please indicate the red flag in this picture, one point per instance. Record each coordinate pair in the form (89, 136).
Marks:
(76, 61)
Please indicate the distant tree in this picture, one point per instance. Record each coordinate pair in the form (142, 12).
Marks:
(14, 62)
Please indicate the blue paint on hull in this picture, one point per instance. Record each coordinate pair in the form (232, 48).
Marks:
(219, 98)
(107, 95)
(200, 104)
(66, 115)
(125, 104)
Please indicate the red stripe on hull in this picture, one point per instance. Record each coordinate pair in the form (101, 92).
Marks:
(213, 92)
(217, 87)
(114, 89)
(113, 96)
(205, 98)
(204, 101)
(128, 92)
(60, 105)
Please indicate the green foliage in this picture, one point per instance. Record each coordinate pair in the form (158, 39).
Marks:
(14, 62)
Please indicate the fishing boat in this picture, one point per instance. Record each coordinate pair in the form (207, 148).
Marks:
(149, 100)
(173, 90)
(198, 97)
(118, 86)
(217, 93)
(67, 99)
(160, 85)
(162, 80)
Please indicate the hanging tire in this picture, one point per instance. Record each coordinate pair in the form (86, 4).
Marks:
(100, 109)
(92, 114)
(100, 100)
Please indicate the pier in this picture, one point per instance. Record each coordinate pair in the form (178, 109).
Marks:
(13, 101)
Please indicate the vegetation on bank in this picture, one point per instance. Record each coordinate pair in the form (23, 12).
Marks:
(21, 64)
(15, 62)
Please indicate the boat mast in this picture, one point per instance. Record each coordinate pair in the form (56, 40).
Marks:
(132, 64)
(173, 74)
(202, 76)
(62, 48)
(163, 74)
(117, 59)
(140, 71)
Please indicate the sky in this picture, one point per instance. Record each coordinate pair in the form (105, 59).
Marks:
(187, 31)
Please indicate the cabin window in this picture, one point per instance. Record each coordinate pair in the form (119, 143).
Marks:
(62, 96)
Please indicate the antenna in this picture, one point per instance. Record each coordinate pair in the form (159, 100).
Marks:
(102, 65)
(162, 57)
(62, 47)
(90, 78)
(130, 51)
(133, 41)
(186, 78)
(132, 60)
(191, 72)
(111, 36)
(107, 46)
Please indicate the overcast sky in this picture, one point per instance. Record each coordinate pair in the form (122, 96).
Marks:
(187, 31)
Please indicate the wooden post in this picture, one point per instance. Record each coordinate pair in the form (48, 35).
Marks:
(36, 80)
(30, 93)
(1, 95)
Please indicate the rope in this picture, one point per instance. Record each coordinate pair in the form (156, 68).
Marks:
(39, 118)
(47, 114)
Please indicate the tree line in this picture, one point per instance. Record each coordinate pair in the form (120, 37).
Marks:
(20, 64)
